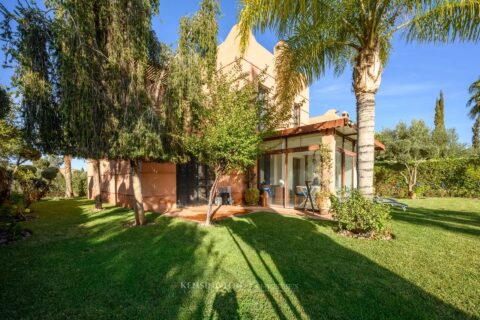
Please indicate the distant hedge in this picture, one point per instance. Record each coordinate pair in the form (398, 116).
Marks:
(436, 178)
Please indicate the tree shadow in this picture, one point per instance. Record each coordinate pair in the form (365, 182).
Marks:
(98, 268)
(453, 221)
(306, 274)
(86, 264)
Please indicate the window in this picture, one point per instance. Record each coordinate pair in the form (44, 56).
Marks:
(296, 114)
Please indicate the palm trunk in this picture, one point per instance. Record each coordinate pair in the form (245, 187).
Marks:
(367, 75)
(96, 184)
(211, 197)
(366, 142)
(136, 171)
(67, 173)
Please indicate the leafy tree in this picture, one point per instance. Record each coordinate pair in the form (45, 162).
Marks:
(12, 144)
(33, 49)
(334, 33)
(474, 113)
(5, 103)
(408, 146)
(91, 73)
(103, 75)
(229, 139)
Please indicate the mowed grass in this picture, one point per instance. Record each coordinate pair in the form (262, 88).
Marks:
(82, 264)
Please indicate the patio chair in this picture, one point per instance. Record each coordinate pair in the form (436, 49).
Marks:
(391, 202)
(226, 194)
(300, 191)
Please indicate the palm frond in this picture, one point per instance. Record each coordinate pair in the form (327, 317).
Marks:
(279, 15)
(474, 101)
(444, 21)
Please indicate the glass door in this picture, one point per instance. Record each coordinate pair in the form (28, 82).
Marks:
(272, 177)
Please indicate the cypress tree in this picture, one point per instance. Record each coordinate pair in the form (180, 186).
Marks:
(439, 132)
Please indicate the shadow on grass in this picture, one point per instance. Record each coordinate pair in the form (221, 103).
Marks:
(332, 281)
(97, 268)
(453, 221)
(85, 264)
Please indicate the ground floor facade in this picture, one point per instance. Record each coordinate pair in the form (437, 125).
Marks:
(291, 163)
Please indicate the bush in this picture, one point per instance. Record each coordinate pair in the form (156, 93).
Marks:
(358, 214)
(9, 229)
(33, 188)
(79, 183)
(436, 178)
(252, 196)
(49, 173)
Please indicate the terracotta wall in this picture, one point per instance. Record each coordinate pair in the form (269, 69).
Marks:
(158, 184)
(238, 184)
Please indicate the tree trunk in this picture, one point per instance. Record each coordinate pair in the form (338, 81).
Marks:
(67, 174)
(136, 171)
(366, 142)
(96, 184)
(367, 76)
(211, 198)
(12, 178)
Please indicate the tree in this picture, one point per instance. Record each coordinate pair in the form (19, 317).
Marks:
(67, 174)
(476, 134)
(12, 144)
(97, 54)
(5, 103)
(474, 113)
(439, 131)
(408, 146)
(32, 48)
(229, 139)
(335, 33)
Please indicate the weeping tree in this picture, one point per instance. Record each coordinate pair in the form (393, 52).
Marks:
(31, 49)
(105, 49)
(335, 33)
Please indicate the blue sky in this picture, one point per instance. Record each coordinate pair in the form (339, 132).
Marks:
(411, 82)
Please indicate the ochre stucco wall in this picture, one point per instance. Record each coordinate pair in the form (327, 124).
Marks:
(158, 184)
(254, 60)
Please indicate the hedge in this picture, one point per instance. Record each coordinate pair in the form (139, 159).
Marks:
(436, 178)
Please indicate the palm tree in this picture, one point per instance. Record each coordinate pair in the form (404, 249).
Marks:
(474, 113)
(335, 33)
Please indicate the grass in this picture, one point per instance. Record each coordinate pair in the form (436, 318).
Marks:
(85, 264)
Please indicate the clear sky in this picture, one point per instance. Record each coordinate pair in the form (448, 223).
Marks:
(411, 82)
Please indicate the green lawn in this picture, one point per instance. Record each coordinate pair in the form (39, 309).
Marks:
(82, 264)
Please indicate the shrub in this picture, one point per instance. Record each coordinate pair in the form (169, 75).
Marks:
(252, 196)
(358, 214)
(33, 188)
(436, 178)
(49, 173)
(9, 228)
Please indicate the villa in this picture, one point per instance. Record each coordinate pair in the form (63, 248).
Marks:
(290, 163)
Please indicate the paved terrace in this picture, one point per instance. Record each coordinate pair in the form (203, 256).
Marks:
(198, 213)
